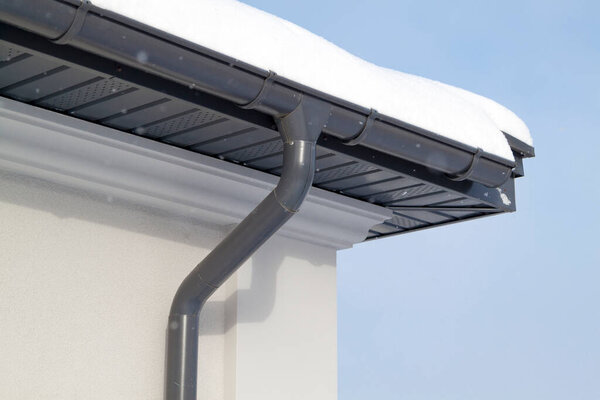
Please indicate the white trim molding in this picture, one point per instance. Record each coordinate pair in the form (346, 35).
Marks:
(80, 154)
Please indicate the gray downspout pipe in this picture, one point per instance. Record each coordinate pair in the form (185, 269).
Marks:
(299, 131)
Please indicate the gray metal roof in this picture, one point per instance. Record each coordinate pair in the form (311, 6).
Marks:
(98, 89)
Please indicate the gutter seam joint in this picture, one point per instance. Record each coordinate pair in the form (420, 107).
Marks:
(366, 129)
(465, 174)
(76, 24)
(266, 86)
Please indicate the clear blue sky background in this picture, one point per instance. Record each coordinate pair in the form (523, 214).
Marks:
(506, 307)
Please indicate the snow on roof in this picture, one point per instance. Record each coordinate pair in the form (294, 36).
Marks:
(271, 43)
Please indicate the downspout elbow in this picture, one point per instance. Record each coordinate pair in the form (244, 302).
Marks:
(280, 205)
(296, 175)
(299, 131)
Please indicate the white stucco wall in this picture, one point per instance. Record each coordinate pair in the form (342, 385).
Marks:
(85, 288)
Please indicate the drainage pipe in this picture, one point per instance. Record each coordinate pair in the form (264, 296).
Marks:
(299, 131)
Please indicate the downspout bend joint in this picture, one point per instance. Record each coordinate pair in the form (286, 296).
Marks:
(299, 131)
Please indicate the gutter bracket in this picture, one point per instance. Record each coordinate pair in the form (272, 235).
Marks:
(76, 24)
(255, 102)
(364, 131)
(463, 175)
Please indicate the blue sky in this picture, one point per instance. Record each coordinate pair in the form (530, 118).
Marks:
(506, 307)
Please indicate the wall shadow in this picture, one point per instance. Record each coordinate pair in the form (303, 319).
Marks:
(261, 293)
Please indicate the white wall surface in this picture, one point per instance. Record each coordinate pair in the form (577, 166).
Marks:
(86, 282)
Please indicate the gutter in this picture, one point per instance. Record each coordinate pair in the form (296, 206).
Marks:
(90, 28)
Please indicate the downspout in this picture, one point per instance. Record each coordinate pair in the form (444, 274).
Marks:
(299, 131)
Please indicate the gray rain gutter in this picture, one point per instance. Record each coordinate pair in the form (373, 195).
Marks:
(102, 32)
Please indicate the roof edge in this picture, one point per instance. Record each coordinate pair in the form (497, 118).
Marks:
(100, 30)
